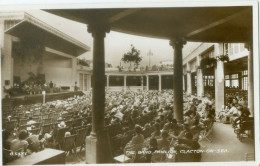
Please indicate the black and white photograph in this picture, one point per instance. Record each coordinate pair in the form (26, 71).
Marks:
(126, 83)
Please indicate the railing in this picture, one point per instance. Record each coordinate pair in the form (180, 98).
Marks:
(130, 88)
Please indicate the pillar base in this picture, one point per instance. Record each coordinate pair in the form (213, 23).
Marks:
(91, 150)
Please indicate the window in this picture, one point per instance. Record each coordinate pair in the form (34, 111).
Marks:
(208, 80)
(235, 83)
(234, 76)
(227, 83)
(231, 80)
(245, 80)
(226, 48)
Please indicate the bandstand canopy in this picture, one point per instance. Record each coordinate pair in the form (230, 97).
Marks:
(201, 24)
(34, 28)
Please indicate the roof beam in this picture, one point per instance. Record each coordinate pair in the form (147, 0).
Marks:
(216, 23)
(121, 15)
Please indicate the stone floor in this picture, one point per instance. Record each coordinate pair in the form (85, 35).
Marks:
(76, 159)
(225, 142)
(223, 146)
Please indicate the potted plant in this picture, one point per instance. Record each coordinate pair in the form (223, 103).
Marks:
(208, 62)
(223, 58)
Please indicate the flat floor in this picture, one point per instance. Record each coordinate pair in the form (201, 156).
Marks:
(225, 141)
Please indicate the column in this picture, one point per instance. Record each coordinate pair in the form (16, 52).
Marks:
(219, 80)
(83, 82)
(250, 80)
(200, 84)
(189, 87)
(147, 82)
(177, 79)
(89, 82)
(96, 151)
(160, 82)
(107, 82)
(183, 82)
(7, 62)
(74, 73)
(124, 82)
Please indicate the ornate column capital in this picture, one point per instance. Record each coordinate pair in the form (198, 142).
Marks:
(98, 28)
(180, 41)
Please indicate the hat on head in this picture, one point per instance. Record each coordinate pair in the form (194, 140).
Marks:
(67, 134)
(62, 124)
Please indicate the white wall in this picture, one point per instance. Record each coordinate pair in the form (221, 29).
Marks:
(56, 68)
(59, 76)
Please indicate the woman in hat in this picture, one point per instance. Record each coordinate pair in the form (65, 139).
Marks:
(62, 125)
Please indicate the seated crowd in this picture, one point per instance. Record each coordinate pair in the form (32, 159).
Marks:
(144, 118)
(236, 113)
(235, 107)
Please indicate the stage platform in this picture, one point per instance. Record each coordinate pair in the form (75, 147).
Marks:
(38, 98)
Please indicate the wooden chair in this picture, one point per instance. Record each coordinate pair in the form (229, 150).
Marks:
(77, 122)
(80, 139)
(24, 127)
(21, 115)
(50, 115)
(23, 121)
(55, 117)
(69, 123)
(10, 126)
(37, 125)
(47, 121)
(205, 135)
(74, 130)
(68, 144)
(55, 124)
(44, 116)
(58, 140)
(46, 128)
(27, 115)
(36, 118)
(35, 131)
(14, 118)
(196, 134)
(36, 112)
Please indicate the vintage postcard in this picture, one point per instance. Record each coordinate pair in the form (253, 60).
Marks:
(130, 82)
